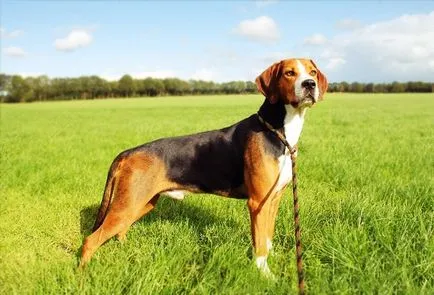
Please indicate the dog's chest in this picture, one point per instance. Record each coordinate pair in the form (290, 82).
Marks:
(293, 125)
(285, 168)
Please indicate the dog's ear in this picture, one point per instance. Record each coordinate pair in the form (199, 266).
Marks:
(322, 81)
(267, 82)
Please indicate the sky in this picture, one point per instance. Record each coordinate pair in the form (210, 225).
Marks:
(366, 41)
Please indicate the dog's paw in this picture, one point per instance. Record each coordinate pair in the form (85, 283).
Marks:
(262, 265)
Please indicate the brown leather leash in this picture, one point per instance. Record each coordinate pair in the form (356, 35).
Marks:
(298, 249)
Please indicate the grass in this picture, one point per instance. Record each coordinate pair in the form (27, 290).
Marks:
(365, 185)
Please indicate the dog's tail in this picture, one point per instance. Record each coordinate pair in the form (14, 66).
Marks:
(106, 199)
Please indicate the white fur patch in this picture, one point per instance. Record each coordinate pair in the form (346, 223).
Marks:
(261, 263)
(293, 124)
(269, 245)
(177, 195)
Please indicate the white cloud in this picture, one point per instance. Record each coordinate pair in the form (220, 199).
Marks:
(315, 39)
(348, 24)
(335, 62)
(334, 59)
(14, 51)
(276, 56)
(261, 29)
(204, 75)
(76, 38)
(329, 53)
(13, 34)
(399, 49)
(16, 33)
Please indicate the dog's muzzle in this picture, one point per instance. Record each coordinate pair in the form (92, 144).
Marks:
(309, 87)
(308, 99)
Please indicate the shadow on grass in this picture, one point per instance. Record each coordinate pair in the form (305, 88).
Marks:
(200, 217)
(87, 219)
(178, 211)
(166, 209)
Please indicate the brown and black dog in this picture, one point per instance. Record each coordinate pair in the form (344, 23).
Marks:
(245, 160)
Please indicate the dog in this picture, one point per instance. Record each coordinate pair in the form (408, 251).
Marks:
(245, 160)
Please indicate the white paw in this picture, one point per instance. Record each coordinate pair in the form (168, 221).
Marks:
(261, 263)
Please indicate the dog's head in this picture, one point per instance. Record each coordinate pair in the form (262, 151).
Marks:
(293, 81)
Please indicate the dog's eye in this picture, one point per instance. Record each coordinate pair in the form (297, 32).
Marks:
(290, 73)
(312, 73)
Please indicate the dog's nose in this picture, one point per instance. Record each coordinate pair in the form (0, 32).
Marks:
(308, 84)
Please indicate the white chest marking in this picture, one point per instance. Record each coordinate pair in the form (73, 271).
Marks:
(293, 125)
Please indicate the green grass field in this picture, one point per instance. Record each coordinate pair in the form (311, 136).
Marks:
(365, 185)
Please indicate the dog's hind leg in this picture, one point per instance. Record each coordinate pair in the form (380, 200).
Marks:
(142, 211)
(118, 219)
(139, 179)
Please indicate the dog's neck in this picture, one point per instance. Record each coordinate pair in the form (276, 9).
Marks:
(285, 117)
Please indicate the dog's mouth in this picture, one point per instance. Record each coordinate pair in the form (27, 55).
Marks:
(304, 99)
(308, 100)
(305, 102)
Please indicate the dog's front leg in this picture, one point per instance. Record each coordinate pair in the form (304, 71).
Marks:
(261, 174)
(274, 209)
(260, 213)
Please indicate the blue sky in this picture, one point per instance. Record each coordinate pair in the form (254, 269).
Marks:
(217, 40)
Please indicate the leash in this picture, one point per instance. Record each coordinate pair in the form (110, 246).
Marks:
(298, 250)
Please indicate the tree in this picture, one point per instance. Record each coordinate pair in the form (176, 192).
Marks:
(356, 87)
(379, 88)
(175, 86)
(369, 88)
(342, 87)
(397, 87)
(234, 87)
(114, 88)
(41, 87)
(20, 90)
(251, 87)
(96, 86)
(5, 82)
(5, 85)
(345, 87)
(153, 87)
(126, 86)
(106, 89)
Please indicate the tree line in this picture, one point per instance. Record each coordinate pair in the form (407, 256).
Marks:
(394, 87)
(14, 88)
